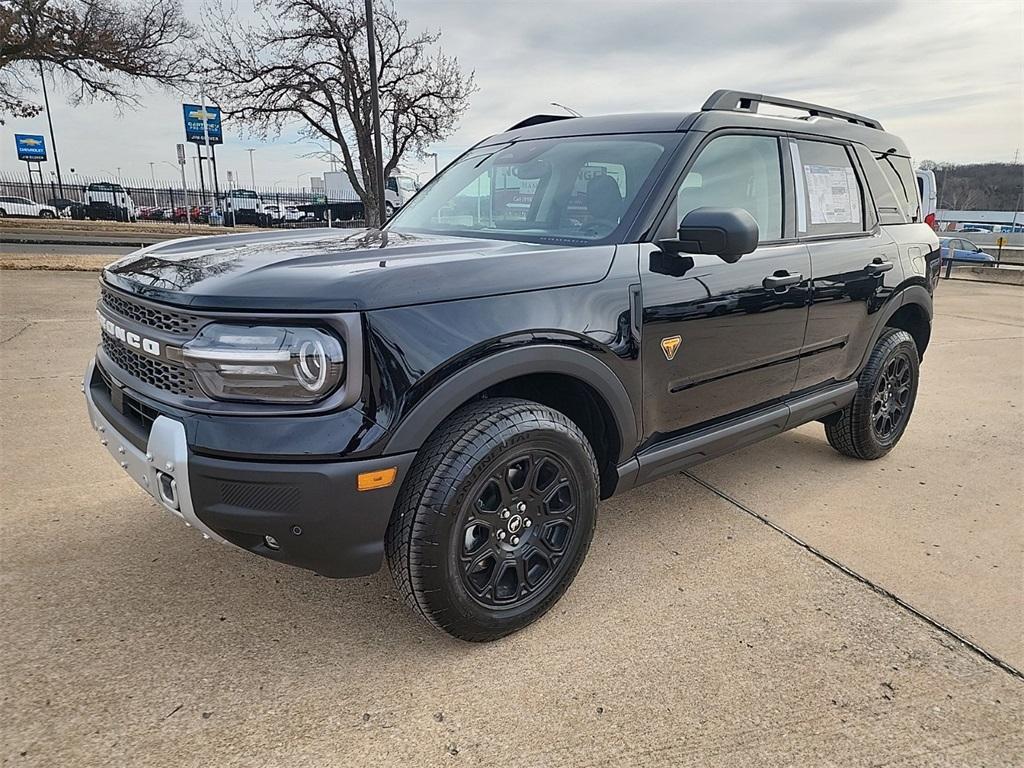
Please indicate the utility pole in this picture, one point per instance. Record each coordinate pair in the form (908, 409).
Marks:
(378, 165)
(209, 153)
(252, 172)
(49, 120)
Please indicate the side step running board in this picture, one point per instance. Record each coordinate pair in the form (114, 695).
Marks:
(683, 452)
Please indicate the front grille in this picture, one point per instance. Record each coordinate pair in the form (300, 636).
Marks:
(161, 319)
(138, 412)
(156, 373)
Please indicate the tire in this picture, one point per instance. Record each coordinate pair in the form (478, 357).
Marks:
(2, 212)
(46, 215)
(875, 421)
(494, 519)
(389, 211)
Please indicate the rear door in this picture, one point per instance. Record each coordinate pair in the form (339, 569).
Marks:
(722, 338)
(855, 264)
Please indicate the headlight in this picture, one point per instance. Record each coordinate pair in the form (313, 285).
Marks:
(265, 363)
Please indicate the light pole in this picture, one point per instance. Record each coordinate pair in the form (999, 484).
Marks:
(252, 172)
(152, 177)
(378, 169)
(49, 120)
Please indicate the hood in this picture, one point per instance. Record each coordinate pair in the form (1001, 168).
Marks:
(331, 269)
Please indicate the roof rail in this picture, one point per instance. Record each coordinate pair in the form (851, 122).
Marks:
(537, 120)
(741, 101)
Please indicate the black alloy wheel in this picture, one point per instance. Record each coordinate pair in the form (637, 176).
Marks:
(890, 406)
(516, 527)
(870, 426)
(494, 518)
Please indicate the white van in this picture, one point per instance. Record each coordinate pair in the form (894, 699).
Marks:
(929, 196)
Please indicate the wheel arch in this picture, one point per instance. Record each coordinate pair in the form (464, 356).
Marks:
(570, 380)
(909, 310)
(915, 320)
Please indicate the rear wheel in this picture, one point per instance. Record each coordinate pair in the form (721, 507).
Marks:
(875, 421)
(494, 519)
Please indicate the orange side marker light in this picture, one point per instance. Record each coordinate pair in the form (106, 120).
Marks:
(379, 478)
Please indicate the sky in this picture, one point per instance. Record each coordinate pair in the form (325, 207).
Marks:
(948, 77)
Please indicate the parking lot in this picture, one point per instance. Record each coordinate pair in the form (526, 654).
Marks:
(695, 634)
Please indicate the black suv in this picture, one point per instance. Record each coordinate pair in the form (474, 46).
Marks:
(573, 307)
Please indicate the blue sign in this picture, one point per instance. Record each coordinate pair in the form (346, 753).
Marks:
(195, 114)
(30, 147)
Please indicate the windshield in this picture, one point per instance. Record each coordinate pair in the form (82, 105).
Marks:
(547, 190)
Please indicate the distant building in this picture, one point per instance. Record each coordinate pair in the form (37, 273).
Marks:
(980, 217)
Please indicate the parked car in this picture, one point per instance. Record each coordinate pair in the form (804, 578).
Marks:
(150, 213)
(68, 208)
(283, 213)
(961, 249)
(22, 206)
(456, 391)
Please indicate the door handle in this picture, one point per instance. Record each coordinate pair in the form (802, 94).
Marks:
(878, 266)
(781, 279)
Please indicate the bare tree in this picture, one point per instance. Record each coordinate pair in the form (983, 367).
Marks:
(306, 62)
(99, 48)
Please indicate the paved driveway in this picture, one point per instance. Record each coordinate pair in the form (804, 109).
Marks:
(695, 634)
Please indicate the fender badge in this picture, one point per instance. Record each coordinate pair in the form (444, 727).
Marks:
(670, 346)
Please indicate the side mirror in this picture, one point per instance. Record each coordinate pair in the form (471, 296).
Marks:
(724, 232)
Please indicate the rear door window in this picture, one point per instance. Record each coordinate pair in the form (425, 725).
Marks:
(829, 194)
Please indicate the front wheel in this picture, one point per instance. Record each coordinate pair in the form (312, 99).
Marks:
(494, 519)
(46, 215)
(875, 421)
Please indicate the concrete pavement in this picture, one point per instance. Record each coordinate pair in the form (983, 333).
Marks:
(693, 635)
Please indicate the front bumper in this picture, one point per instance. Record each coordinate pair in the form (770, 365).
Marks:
(312, 510)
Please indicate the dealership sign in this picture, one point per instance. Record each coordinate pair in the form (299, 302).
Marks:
(195, 116)
(30, 147)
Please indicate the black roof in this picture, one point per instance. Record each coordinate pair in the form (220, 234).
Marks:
(724, 109)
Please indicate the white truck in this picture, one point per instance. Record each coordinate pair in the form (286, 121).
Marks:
(243, 206)
(106, 199)
(398, 189)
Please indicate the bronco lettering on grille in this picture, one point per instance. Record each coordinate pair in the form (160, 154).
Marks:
(131, 339)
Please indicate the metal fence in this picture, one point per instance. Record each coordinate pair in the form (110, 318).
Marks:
(164, 196)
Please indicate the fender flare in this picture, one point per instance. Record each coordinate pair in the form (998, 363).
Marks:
(912, 294)
(447, 395)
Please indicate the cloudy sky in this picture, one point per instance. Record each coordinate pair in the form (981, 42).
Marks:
(946, 76)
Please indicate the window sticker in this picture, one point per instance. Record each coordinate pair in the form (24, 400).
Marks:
(833, 194)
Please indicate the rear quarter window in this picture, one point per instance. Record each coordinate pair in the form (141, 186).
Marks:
(900, 174)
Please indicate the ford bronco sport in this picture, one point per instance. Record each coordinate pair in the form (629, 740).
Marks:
(573, 307)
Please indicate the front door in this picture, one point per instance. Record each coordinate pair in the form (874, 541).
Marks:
(723, 338)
